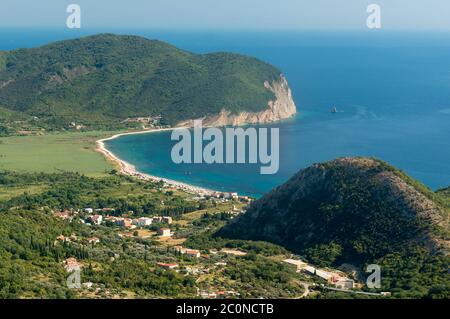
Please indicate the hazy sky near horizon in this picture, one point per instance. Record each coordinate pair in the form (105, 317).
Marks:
(229, 14)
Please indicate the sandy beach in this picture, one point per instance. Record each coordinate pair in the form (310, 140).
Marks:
(130, 170)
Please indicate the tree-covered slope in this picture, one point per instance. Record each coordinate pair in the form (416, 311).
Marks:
(109, 76)
(445, 196)
(29, 264)
(358, 211)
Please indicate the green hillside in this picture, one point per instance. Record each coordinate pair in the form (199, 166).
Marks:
(110, 77)
(445, 195)
(358, 211)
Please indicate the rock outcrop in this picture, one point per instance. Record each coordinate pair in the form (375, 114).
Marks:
(282, 108)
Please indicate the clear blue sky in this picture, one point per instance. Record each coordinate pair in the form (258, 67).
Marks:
(223, 14)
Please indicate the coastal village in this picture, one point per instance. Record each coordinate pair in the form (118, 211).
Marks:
(169, 234)
(162, 240)
(205, 265)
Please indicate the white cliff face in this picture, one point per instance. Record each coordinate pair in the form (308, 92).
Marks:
(282, 108)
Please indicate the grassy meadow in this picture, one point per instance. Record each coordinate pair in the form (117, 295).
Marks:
(49, 153)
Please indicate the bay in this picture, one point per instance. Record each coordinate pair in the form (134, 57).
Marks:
(392, 91)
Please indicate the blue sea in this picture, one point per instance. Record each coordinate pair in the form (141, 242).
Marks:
(391, 89)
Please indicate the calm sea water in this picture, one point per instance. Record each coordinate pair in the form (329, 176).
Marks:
(392, 91)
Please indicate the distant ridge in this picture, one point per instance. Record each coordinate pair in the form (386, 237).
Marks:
(114, 77)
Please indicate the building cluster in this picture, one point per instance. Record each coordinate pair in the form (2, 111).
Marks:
(71, 264)
(96, 218)
(64, 215)
(225, 195)
(152, 120)
(67, 239)
(70, 214)
(235, 212)
(132, 223)
(165, 232)
(168, 265)
(186, 251)
(206, 294)
(220, 196)
(334, 278)
(76, 126)
(104, 210)
(73, 238)
(93, 240)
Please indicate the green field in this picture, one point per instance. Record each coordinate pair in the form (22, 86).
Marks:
(74, 152)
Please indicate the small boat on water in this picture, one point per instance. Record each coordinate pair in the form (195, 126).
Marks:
(334, 109)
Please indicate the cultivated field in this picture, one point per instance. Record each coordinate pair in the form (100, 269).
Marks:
(74, 152)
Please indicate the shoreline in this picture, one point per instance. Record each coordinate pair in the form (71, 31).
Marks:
(130, 170)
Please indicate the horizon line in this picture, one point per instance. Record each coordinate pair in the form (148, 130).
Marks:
(215, 29)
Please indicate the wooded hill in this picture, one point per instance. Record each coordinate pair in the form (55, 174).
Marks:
(110, 77)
